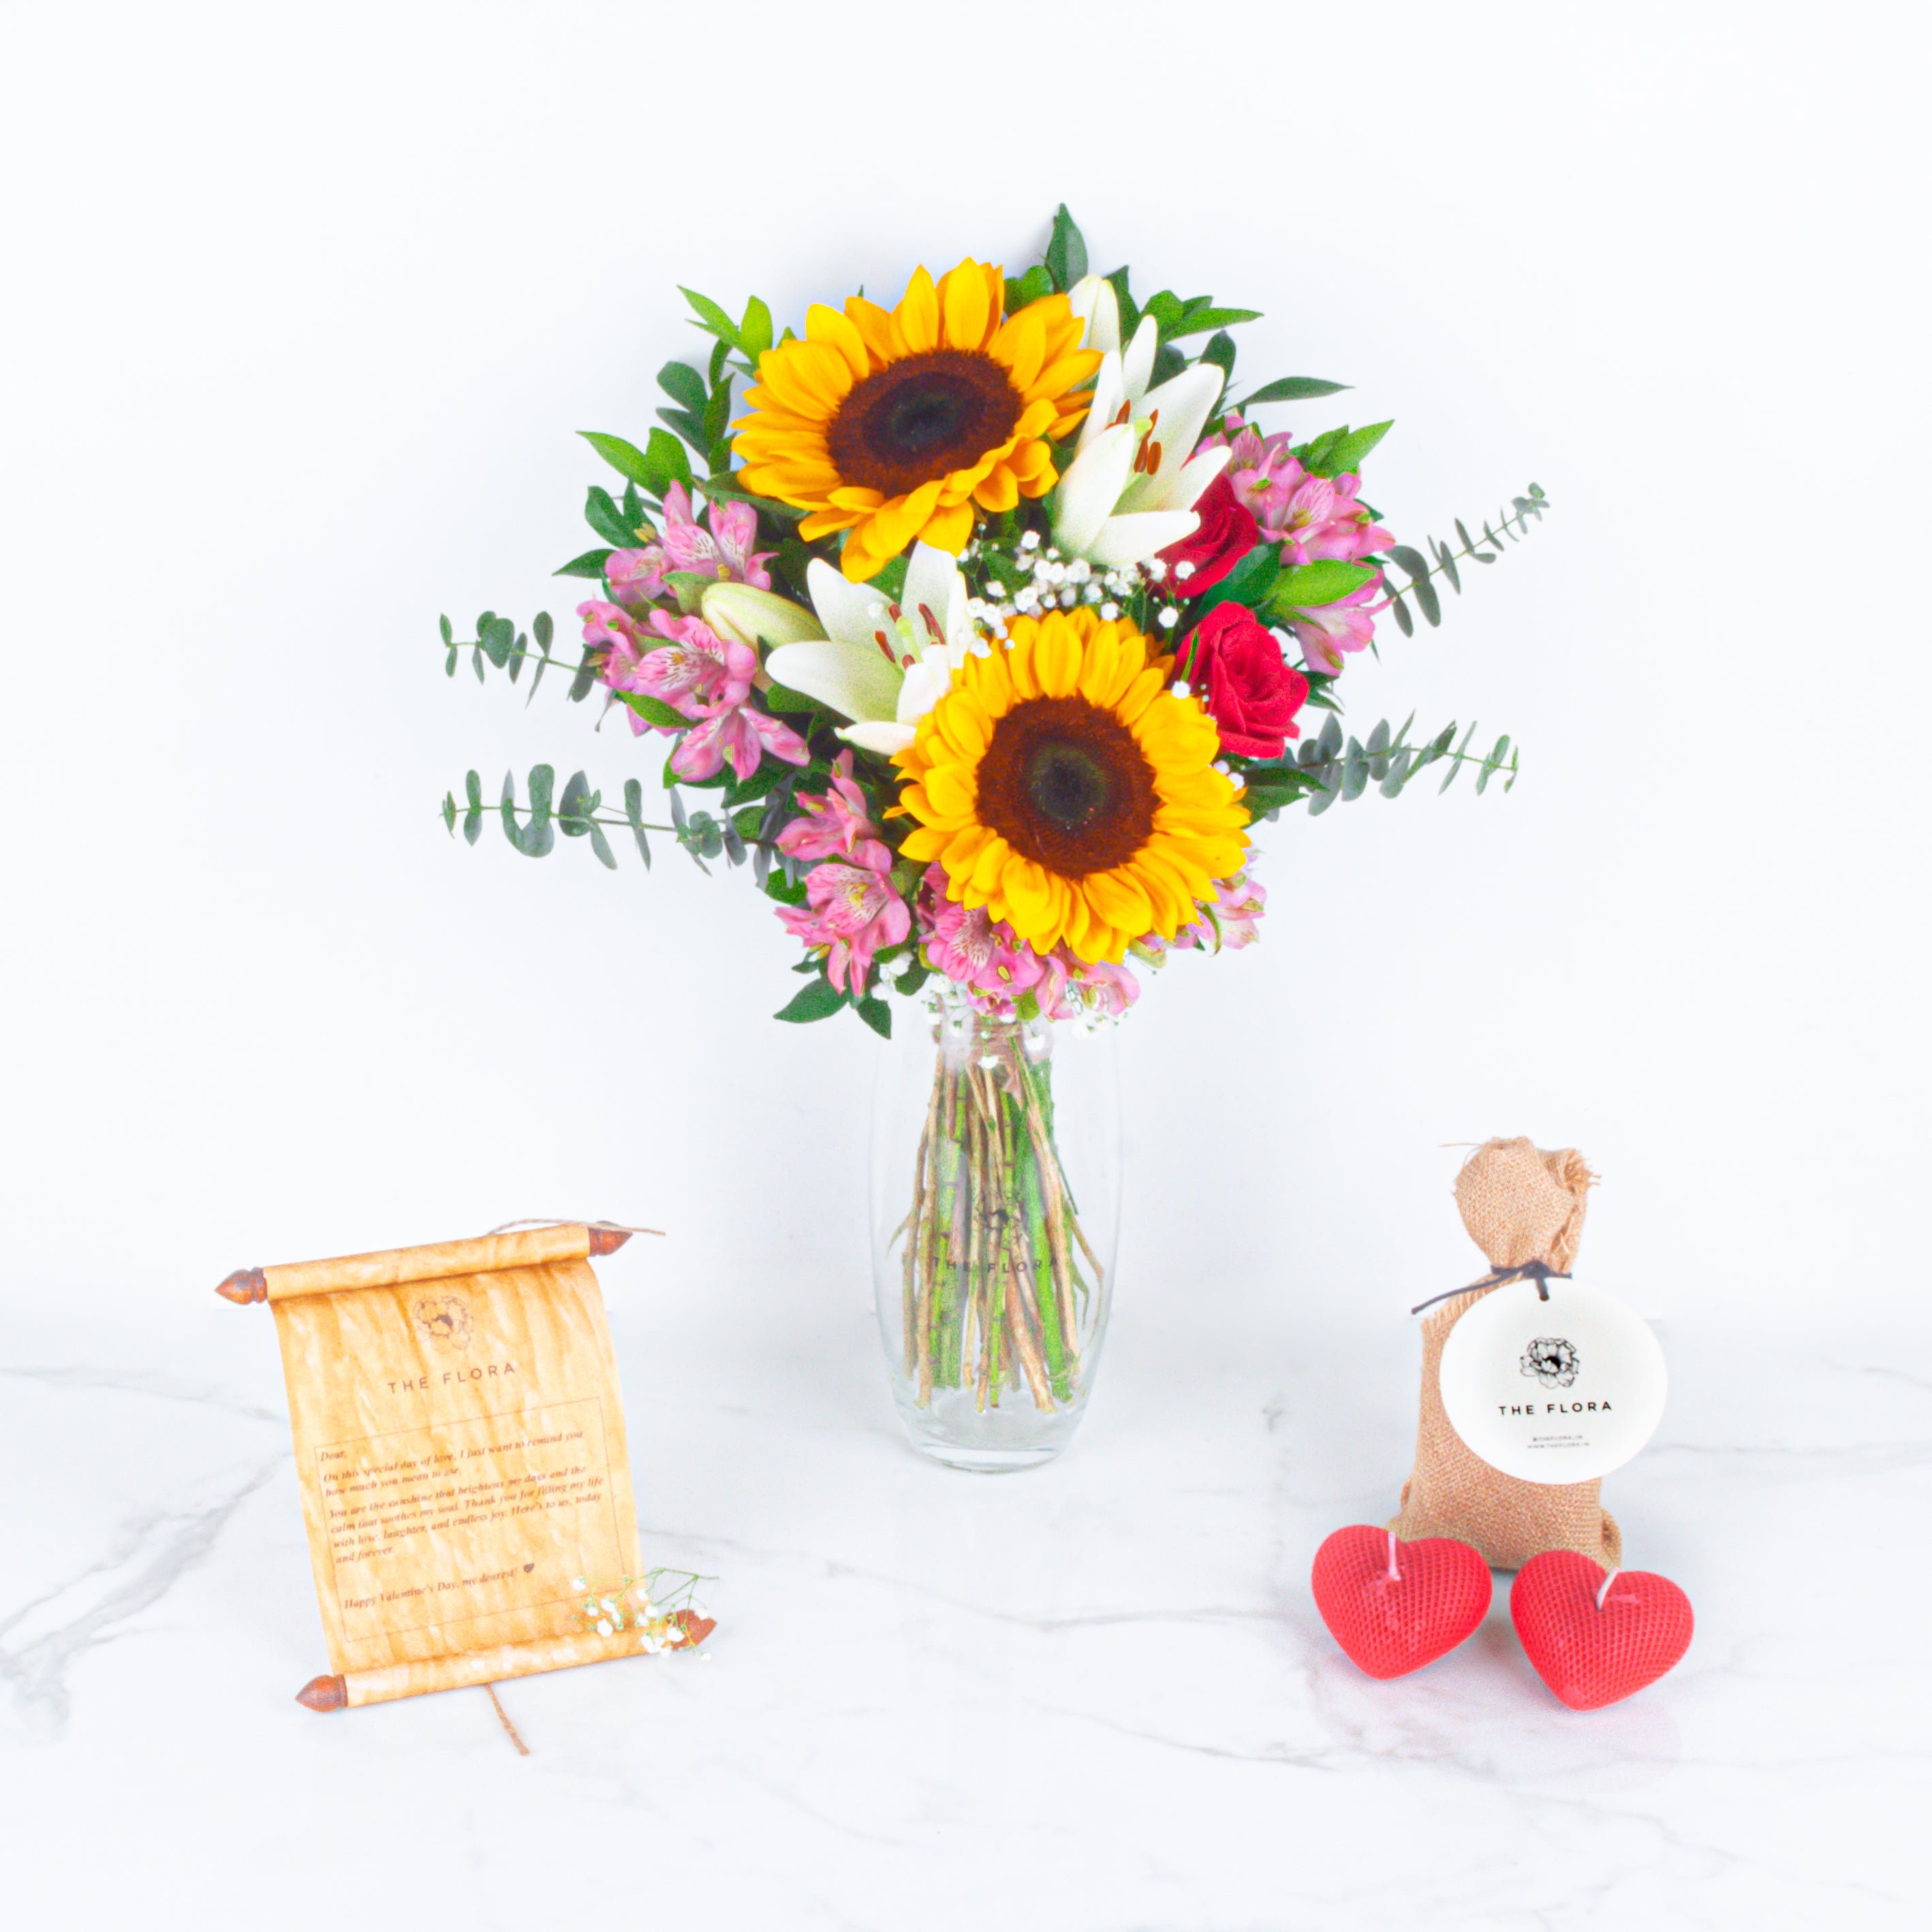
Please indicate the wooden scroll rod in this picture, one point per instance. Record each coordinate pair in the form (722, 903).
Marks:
(251, 1284)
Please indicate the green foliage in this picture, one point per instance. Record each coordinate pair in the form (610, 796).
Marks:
(499, 643)
(1338, 452)
(1303, 586)
(590, 564)
(661, 463)
(1331, 769)
(1030, 287)
(1066, 251)
(1422, 573)
(1291, 389)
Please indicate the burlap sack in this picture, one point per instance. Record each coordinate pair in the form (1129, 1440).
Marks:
(1519, 1203)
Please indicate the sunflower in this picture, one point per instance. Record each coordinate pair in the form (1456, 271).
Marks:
(1064, 787)
(891, 426)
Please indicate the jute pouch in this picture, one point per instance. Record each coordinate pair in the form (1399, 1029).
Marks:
(1519, 1203)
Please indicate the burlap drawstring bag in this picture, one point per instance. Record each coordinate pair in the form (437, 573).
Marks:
(1519, 1203)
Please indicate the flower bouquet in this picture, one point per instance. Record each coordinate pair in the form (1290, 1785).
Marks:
(986, 627)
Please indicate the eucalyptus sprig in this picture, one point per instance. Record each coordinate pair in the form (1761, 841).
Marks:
(499, 643)
(1328, 769)
(1513, 523)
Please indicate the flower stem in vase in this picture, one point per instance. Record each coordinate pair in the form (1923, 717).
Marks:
(989, 1280)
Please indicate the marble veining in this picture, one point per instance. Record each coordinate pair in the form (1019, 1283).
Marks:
(1094, 1696)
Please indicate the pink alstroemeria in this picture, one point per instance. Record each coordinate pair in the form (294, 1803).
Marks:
(1069, 987)
(736, 735)
(1232, 922)
(973, 950)
(724, 552)
(693, 669)
(1327, 630)
(852, 911)
(834, 823)
(1310, 516)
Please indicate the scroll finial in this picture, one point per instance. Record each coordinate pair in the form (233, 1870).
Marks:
(608, 1240)
(243, 1286)
(323, 1693)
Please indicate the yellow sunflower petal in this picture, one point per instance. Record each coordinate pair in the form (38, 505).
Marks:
(916, 320)
(962, 296)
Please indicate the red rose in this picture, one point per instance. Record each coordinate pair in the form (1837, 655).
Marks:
(1225, 535)
(1234, 663)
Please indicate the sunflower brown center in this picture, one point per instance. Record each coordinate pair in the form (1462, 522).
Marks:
(921, 418)
(1065, 785)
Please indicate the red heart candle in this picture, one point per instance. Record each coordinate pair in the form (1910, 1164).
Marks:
(1596, 1635)
(1393, 1606)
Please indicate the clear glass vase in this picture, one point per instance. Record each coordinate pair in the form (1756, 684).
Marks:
(995, 1213)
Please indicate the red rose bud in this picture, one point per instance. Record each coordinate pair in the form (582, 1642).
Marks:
(1233, 664)
(1225, 535)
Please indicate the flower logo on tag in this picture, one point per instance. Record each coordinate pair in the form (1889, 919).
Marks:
(444, 1319)
(1552, 1361)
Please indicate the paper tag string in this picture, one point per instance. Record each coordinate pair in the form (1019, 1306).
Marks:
(1541, 1273)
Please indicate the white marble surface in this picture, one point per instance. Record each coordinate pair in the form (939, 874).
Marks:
(1092, 1696)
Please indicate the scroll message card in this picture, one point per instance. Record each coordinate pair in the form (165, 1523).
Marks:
(459, 1442)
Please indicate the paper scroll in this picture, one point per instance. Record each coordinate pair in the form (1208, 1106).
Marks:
(459, 1438)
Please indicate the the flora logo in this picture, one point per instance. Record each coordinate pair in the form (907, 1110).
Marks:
(1552, 1361)
(444, 1319)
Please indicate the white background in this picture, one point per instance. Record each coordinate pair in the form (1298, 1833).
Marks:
(303, 306)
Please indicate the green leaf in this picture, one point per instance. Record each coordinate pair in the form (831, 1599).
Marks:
(690, 427)
(1198, 322)
(755, 332)
(655, 711)
(1456, 759)
(1032, 286)
(1355, 771)
(601, 847)
(1304, 586)
(1417, 567)
(443, 624)
(574, 807)
(668, 461)
(1294, 389)
(710, 317)
(1066, 251)
(876, 1014)
(633, 811)
(1249, 582)
(449, 812)
(1492, 764)
(602, 515)
(1341, 450)
(585, 682)
(1130, 314)
(782, 697)
(817, 1001)
(683, 384)
(472, 819)
(1220, 350)
(626, 458)
(1377, 748)
(498, 638)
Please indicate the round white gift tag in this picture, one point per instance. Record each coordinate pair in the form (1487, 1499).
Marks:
(1556, 1391)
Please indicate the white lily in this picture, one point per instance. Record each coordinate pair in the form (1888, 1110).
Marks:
(1093, 300)
(883, 664)
(1131, 488)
